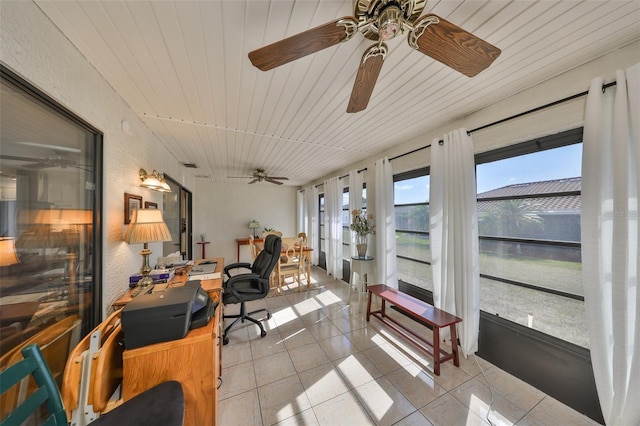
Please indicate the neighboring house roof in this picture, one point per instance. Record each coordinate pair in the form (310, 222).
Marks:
(546, 204)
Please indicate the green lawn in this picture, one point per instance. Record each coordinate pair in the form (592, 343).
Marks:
(558, 316)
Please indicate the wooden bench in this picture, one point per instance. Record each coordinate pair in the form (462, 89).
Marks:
(421, 311)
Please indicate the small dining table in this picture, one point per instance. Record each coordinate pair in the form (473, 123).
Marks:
(306, 252)
(245, 242)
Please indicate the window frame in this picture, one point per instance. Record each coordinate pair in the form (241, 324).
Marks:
(8, 76)
(559, 140)
(416, 173)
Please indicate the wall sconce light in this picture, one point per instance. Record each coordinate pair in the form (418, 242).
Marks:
(154, 181)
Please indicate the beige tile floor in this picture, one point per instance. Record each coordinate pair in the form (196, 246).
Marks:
(321, 363)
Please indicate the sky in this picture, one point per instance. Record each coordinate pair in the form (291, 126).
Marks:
(558, 163)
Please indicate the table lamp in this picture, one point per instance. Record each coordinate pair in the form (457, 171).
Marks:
(253, 225)
(146, 226)
(8, 252)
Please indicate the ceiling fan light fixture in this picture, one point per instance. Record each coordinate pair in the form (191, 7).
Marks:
(390, 22)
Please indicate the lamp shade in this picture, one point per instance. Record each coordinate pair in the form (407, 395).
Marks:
(254, 224)
(8, 252)
(76, 217)
(147, 226)
(63, 218)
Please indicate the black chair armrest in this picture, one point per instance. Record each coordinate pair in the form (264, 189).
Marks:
(236, 265)
(242, 279)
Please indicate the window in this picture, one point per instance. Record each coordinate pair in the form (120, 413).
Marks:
(50, 215)
(411, 199)
(529, 230)
(346, 221)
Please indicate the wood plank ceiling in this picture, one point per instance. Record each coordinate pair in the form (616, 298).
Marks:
(182, 66)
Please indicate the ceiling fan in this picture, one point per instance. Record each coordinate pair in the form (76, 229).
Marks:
(50, 161)
(382, 20)
(259, 175)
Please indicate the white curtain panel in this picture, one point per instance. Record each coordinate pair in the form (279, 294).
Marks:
(301, 213)
(454, 234)
(610, 258)
(385, 260)
(333, 226)
(311, 226)
(355, 201)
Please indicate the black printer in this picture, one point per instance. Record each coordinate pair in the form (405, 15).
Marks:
(166, 315)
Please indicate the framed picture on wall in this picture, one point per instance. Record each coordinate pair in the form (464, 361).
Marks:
(131, 202)
(150, 205)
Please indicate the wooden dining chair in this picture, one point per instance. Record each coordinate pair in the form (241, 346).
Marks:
(264, 234)
(306, 257)
(291, 261)
(254, 248)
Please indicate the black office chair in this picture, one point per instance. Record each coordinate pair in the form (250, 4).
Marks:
(245, 287)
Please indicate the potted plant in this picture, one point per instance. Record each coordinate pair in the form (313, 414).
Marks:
(363, 225)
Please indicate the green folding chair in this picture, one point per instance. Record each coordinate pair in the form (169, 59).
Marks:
(47, 392)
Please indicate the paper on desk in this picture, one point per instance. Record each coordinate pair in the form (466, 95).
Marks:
(212, 276)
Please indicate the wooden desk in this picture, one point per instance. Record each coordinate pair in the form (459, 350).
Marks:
(245, 242)
(212, 287)
(422, 311)
(192, 361)
(195, 361)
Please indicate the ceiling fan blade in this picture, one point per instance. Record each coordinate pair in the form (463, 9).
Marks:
(14, 158)
(303, 44)
(368, 72)
(451, 45)
(84, 168)
(278, 177)
(37, 166)
(269, 179)
(254, 180)
(53, 147)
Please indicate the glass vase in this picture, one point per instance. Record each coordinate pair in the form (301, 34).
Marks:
(361, 245)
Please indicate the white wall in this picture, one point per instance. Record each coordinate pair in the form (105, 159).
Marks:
(34, 48)
(223, 211)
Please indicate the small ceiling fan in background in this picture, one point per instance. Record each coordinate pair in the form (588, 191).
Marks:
(259, 175)
(55, 160)
(383, 20)
(45, 156)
